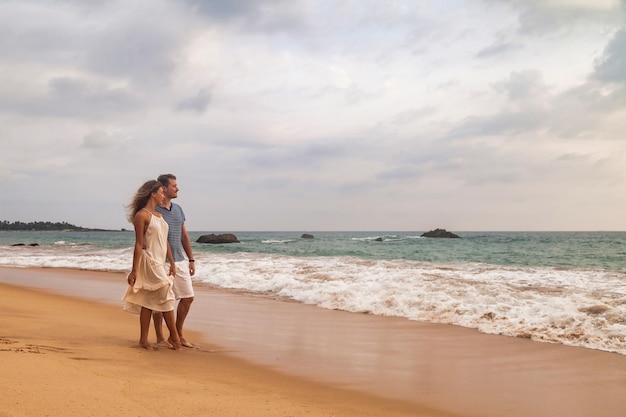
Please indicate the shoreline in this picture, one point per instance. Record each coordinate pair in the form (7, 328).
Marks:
(415, 368)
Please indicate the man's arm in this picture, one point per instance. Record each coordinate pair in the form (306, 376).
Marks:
(186, 242)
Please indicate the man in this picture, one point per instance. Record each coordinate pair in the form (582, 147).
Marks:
(179, 241)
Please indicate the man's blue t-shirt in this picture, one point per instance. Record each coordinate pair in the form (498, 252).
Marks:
(175, 219)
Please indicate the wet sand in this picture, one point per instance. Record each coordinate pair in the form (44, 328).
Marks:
(276, 357)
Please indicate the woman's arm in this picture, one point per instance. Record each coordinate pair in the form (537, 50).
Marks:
(170, 259)
(140, 224)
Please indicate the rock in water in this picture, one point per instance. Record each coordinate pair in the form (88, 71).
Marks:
(440, 233)
(217, 239)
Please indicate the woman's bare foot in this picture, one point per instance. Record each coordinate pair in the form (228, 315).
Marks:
(146, 345)
(175, 344)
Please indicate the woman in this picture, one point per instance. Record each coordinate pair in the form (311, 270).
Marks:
(150, 283)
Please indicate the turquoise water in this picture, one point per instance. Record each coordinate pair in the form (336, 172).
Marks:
(597, 250)
(606, 250)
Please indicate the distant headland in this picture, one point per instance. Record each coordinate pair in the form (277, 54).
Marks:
(48, 226)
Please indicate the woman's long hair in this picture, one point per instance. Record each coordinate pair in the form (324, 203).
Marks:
(141, 198)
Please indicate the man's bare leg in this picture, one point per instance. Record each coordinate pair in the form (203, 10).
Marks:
(170, 321)
(157, 317)
(181, 314)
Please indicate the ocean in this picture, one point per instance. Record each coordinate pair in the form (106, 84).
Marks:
(558, 287)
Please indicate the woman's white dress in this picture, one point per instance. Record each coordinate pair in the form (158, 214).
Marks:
(153, 288)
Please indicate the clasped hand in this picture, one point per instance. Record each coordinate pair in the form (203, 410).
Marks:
(131, 278)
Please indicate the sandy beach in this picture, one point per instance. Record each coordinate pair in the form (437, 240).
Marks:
(71, 357)
(67, 349)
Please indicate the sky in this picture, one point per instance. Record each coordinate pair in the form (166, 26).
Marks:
(317, 115)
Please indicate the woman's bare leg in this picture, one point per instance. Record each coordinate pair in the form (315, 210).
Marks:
(144, 326)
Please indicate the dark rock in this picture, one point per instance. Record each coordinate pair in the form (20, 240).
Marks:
(18, 244)
(378, 239)
(440, 233)
(217, 239)
(306, 236)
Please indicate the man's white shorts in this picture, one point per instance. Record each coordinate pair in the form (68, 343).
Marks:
(182, 281)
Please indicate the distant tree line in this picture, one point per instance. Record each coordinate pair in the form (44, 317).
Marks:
(5, 225)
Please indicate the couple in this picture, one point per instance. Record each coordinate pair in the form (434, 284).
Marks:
(154, 287)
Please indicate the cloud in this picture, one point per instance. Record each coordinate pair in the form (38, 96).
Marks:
(497, 49)
(412, 115)
(522, 86)
(400, 173)
(298, 157)
(249, 15)
(505, 123)
(96, 140)
(198, 103)
(340, 78)
(71, 97)
(139, 44)
(611, 67)
(136, 40)
(230, 9)
(532, 106)
(538, 17)
(68, 97)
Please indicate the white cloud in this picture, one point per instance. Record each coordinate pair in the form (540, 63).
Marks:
(96, 140)
(317, 115)
(584, 4)
(339, 78)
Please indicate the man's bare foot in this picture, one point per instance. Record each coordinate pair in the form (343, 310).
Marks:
(185, 343)
(175, 344)
(146, 345)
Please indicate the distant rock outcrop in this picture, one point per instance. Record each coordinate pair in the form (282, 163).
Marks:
(307, 236)
(440, 233)
(217, 239)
